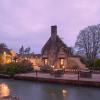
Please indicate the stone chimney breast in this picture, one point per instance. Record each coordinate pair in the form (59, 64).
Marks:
(53, 31)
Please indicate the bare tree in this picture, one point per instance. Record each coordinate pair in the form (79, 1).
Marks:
(88, 42)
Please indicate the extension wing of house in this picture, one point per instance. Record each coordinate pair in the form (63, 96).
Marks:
(6, 55)
(56, 53)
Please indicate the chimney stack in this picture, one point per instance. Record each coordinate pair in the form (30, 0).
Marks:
(53, 31)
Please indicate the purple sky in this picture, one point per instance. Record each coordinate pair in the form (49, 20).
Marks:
(27, 22)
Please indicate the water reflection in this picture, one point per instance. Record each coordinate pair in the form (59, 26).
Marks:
(26, 90)
(4, 90)
(54, 92)
(65, 92)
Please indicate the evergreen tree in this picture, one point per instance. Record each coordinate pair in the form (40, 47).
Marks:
(27, 50)
(21, 50)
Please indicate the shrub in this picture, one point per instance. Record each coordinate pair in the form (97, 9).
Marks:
(97, 63)
(46, 68)
(11, 68)
(94, 65)
(90, 64)
(2, 69)
(18, 67)
(25, 66)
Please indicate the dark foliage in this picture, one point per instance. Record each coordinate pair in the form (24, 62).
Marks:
(16, 67)
(46, 68)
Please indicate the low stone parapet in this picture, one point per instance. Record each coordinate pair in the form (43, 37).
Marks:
(85, 74)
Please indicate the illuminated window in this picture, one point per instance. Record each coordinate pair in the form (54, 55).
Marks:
(46, 61)
(61, 61)
(4, 53)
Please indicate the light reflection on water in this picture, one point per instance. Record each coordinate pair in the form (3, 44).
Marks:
(65, 92)
(53, 91)
(26, 90)
(4, 90)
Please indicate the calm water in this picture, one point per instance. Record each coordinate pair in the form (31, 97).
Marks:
(26, 90)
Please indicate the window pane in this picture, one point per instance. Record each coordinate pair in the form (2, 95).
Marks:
(62, 61)
(46, 61)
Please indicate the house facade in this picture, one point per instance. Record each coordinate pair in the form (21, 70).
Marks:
(7, 56)
(35, 59)
(55, 52)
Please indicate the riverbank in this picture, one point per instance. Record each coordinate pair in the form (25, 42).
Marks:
(65, 79)
(4, 76)
(69, 78)
(9, 98)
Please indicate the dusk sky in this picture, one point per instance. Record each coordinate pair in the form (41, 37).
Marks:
(27, 22)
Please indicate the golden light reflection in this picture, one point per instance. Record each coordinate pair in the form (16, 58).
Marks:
(4, 90)
(65, 92)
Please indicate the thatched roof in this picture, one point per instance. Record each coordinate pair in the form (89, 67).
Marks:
(58, 44)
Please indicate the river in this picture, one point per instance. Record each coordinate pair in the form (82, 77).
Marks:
(28, 90)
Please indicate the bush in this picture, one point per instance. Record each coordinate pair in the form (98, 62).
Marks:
(90, 64)
(18, 67)
(94, 65)
(2, 69)
(25, 66)
(97, 63)
(11, 68)
(46, 68)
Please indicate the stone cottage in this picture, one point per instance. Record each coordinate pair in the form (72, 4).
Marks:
(54, 53)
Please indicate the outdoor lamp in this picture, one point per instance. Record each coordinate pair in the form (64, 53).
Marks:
(52, 66)
(63, 67)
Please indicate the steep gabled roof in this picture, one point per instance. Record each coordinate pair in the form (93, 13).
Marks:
(58, 43)
(55, 43)
(47, 45)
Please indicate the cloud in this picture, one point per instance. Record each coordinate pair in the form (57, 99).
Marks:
(28, 21)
